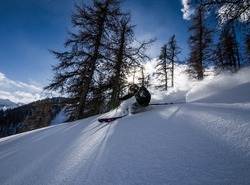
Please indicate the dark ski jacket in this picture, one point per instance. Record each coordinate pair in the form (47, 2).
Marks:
(142, 97)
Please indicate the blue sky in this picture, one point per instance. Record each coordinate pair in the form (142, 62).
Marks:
(29, 28)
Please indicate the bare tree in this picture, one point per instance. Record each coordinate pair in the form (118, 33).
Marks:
(125, 54)
(75, 72)
(162, 68)
(167, 59)
(247, 49)
(173, 52)
(122, 38)
(227, 55)
(200, 44)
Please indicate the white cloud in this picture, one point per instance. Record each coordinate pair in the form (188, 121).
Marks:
(187, 10)
(2, 76)
(17, 91)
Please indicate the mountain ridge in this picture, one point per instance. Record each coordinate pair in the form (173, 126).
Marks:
(8, 104)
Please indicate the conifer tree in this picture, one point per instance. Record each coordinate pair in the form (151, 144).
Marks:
(167, 59)
(126, 54)
(162, 69)
(247, 49)
(233, 22)
(122, 37)
(173, 52)
(200, 44)
(227, 53)
(75, 73)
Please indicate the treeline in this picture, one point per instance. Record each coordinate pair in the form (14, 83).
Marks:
(31, 116)
(219, 27)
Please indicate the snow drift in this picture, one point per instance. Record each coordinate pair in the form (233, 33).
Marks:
(222, 84)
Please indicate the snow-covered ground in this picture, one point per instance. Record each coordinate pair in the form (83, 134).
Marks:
(205, 141)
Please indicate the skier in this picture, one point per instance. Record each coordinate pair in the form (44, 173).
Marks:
(142, 97)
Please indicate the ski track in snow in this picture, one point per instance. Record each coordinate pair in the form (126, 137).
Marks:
(197, 143)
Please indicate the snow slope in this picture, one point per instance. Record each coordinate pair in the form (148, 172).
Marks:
(205, 141)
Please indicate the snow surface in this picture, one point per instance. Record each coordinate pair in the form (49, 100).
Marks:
(205, 141)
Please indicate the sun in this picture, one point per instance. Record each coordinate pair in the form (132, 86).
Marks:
(133, 79)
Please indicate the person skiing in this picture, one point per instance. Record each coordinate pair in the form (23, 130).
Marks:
(142, 97)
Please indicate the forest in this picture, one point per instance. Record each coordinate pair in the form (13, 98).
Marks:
(103, 51)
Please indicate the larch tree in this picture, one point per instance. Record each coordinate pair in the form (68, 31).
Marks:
(247, 50)
(162, 69)
(172, 54)
(227, 51)
(167, 59)
(126, 54)
(200, 43)
(233, 18)
(75, 73)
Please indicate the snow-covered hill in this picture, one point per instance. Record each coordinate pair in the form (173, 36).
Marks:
(205, 141)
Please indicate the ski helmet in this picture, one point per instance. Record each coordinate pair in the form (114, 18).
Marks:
(133, 88)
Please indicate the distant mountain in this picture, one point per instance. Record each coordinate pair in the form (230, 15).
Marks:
(42, 113)
(7, 104)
